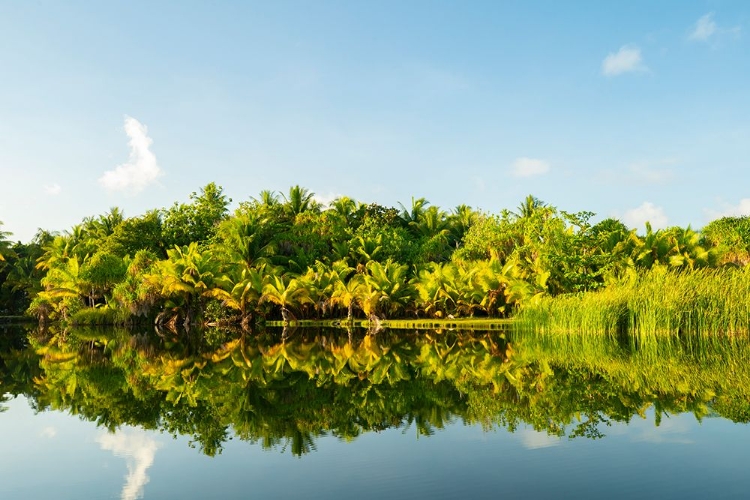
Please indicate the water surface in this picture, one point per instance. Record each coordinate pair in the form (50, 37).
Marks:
(317, 414)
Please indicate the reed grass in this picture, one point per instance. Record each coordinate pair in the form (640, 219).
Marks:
(658, 302)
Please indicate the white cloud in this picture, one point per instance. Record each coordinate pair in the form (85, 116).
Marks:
(325, 200)
(741, 209)
(527, 167)
(646, 212)
(138, 450)
(52, 189)
(704, 28)
(141, 168)
(48, 432)
(625, 60)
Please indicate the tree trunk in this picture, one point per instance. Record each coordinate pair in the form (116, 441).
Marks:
(247, 322)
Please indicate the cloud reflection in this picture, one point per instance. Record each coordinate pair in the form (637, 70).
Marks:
(48, 432)
(532, 440)
(138, 449)
(669, 431)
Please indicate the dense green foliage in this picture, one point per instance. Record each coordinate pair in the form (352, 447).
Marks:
(287, 256)
(286, 392)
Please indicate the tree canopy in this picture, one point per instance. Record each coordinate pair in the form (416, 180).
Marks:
(287, 255)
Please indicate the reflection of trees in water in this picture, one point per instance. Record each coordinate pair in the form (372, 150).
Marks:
(284, 392)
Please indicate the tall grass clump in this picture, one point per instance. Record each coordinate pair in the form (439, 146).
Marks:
(100, 316)
(658, 302)
(699, 302)
(601, 312)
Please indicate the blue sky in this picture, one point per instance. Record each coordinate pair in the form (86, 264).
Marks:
(638, 110)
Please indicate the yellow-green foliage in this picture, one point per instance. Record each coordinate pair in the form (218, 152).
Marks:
(95, 316)
(658, 302)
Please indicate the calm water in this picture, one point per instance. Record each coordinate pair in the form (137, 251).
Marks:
(104, 414)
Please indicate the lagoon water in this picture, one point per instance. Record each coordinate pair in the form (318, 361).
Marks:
(96, 414)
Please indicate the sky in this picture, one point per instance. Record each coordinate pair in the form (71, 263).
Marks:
(638, 110)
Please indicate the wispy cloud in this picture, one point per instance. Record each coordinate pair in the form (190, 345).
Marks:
(651, 172)
(532, 440)
(676, 431)
(641, 172)
(704, 28)
(707, 30)
(529, 167)
(625, 60)
(646, 212)
(52, 189)
(138, 449)
(141, 168)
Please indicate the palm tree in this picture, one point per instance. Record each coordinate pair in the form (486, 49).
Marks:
(492, 279)
(299, 200)
(4, 243)
(285, 294)
(687, 250)
(437, 288)
(411, 217)
(363, 250)
(187, 274)
(344, 206)
(64, 287)
(459, 222)
(390, 280)
(267, 198)
(346, 294)
(321, 281)
(529, 206)
(368, 297)
(240, 290)
(248, 239)
(653, 249)
(103, 226)
(58, 251)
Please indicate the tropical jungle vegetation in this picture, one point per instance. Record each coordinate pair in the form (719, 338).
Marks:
(287, 257)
